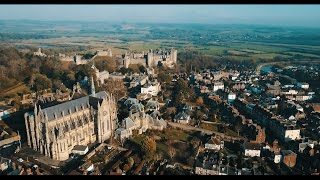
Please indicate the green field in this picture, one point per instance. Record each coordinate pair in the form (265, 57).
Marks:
(18, 88)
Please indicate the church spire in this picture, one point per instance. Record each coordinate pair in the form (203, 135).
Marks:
(93, 91)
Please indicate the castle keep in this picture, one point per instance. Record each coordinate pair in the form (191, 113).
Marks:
(152, 58)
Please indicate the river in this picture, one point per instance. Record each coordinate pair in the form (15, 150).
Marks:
(266, 69)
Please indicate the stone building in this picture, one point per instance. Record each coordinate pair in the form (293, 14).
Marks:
(39, 53)
(54, 131)
(164, 57)
(139, 120)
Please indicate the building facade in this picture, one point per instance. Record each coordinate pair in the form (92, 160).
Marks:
(152, 58)
(54, 131)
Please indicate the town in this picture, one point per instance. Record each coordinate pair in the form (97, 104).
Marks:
(159, 89)
(150, 116)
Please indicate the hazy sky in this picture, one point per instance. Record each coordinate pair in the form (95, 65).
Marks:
(302, 15)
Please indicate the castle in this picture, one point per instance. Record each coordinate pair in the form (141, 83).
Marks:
(78, 59)
(56, 130)
(163, 57)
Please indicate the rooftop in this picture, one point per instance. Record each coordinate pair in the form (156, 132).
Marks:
(57, 111)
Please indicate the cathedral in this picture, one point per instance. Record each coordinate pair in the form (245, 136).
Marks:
(54, 131)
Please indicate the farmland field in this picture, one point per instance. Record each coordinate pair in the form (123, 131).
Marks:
(239, 42)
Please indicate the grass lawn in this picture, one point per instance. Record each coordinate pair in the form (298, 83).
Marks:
(18, 88)
(210, 127)
(231, 133)
(175, 134)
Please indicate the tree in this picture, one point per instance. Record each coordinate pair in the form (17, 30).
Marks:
(198, 115)
(149, 146)
(57, 84)
(126, 167)
(106, 63)
(171, 151)
(130, 162)
(164, 78)
(42, 82)
(134, 68)
(199, 101)
(142, 69)
(238, 125)
(116, 87)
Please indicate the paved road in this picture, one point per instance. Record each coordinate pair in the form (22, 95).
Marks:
(191, 128)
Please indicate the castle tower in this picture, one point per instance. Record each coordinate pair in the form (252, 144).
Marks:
(126, 60)
(150, 62)
(174, 54)
(93, 90)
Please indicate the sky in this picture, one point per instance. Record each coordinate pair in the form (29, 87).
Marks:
(295, 15)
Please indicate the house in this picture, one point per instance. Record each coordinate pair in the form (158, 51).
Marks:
(139, 120)
(4, 163)
(87, 167)
(251, 149)
(315, 107)
(152, 105)
(289, 158)
(152, 88)
(182, 117)
(231, 97)
(79, 149)
(206, 167)
(143, 96)
(217, 86)
(214, 144)
(277, 157)
(5, 111)
(303, 85)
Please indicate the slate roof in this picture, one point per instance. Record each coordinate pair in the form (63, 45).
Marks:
(73, 104)
(80, 148)
(252, 146)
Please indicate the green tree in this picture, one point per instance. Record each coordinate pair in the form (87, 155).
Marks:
(142, 69)
(42, 82)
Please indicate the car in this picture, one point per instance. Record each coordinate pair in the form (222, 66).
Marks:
(20, 160)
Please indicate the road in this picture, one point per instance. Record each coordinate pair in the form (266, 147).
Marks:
(191, 128)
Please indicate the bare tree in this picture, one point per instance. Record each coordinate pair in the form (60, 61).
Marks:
(116, 87)
(171, 151)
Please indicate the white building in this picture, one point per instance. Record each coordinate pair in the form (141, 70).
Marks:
(79, 149)
(289, 92)
(277, 158)
(182, 117)
(217, 86)
(251, 149)
(231, 97)
(292, 134)
(303, 85)
(4, 163)
(39, 53)
(214, 144)
(101, 76)
(152, 88)
(5, 111)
